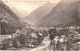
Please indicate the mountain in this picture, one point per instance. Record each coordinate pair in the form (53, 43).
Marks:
(9, 22)
(21, 14)
(39, 13)
(64, 14)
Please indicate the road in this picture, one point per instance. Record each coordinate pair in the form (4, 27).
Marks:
(44, 46)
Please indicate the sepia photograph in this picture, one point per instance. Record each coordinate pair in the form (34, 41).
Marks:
(40, 25)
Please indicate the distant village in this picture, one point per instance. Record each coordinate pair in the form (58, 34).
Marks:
(34, 37)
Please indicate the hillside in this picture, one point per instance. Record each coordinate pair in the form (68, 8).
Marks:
(39, 13)
(64, 14)
(9, 22)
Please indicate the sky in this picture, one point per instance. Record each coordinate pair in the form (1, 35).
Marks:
(25, 7)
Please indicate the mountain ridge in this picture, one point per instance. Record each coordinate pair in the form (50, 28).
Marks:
(9, 21)
(62, 15)
(39, 13)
